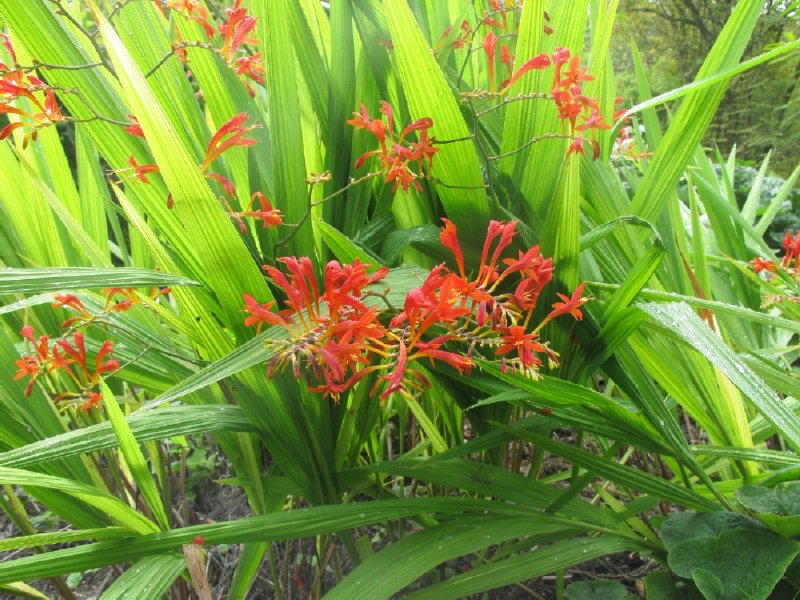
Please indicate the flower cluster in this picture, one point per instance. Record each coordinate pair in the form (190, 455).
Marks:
(332, 333)
(790, 261)
(396, 154)
(69, 358)
(235, 32)
(231, 134)
(789, 267)
(500, 26)
(338, 337)
(268, 216)
(579, 111)
(16, 83)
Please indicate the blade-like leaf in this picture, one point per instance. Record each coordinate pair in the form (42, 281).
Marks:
(35, 281)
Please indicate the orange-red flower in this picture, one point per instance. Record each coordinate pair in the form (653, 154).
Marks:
(191, 9)
(134, 128)
(332, 332)
(230, 134)
(396, 157)
(761, 264)
(337, 339)
(269, 217)
(237, 30)
(489, 45)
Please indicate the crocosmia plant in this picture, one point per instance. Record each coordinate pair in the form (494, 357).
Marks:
(389, 298)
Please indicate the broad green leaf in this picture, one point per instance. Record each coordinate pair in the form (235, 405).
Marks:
(737, 564)
(596, 590)
(688, 526)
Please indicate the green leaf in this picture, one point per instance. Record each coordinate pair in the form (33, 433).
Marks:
(344, 248)
(680, 320)
(100, 499)
(61, 537)
(701, 84)
(429, 95)
(225, 264)
(622, 474)
(736, 564)
(133, 457)
(695, 113)
(596, 590)
(22, 590)
(286, 135)
(402, 562)
(157, 424)
(264, 528)
(35, 281)
(541, 561)
(150, 577)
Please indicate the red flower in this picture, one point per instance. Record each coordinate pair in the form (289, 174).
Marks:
(77, 352)
(515, 339)
(449, 240)
(395, 156)
(134, 128)
(332, 333)
(137, 171)
(236, 31)
(569, 305)
(489, 44)
(761, 264)
(94, 400)
(791, 246)
(541, 61)
(224, 182)
(269, 217)
(191, 9)
(251, 66)
(41, 363)
(229, 135)
(259, 314)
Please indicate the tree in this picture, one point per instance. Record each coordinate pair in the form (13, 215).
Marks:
(760, 110)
